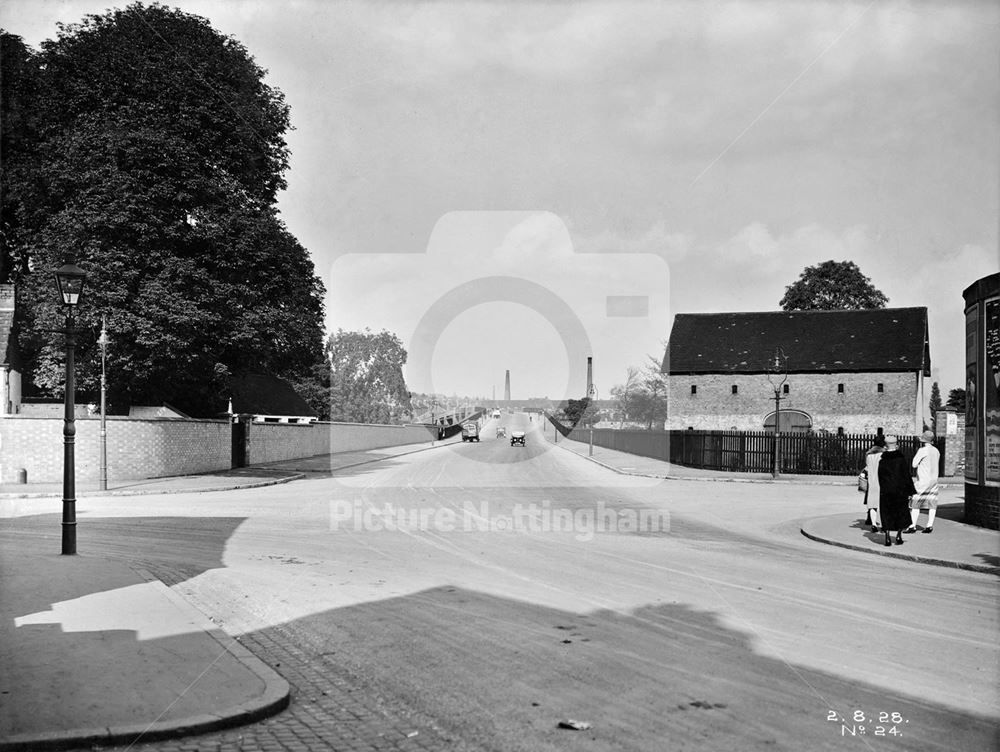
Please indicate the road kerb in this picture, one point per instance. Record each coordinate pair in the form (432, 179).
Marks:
(275, 698)
(893, 554)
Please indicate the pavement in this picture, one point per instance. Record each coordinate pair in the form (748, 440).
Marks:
(136, 667)
(97, 652)
(228, 480)
(952, 543)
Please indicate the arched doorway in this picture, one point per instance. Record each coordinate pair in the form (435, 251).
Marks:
(791, 421)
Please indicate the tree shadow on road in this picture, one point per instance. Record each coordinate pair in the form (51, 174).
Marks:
(88, 642)
(499, 673)
(458, 669)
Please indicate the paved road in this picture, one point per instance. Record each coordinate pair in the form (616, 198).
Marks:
(461, 598)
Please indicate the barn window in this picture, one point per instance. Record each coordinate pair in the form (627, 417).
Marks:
(840, 388)
(694, 389)
(880, 388)
(736, 389)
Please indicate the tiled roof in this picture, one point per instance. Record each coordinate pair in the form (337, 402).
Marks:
(888, 339)
(261, 394)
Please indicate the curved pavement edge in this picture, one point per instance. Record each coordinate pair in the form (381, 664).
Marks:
(893, 554)
(275, 698)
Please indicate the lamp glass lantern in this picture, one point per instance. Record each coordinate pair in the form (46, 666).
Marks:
(69, 280)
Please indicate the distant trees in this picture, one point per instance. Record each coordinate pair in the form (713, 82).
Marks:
(643, 396)
(956, 400)
(934, 405)
(579, 412)
(366, 377)
(148, 143)
(832, 285)
(625, 394)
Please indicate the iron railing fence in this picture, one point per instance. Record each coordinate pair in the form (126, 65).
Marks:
(744, 451)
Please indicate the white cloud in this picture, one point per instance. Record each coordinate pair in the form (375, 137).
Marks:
(937, 283)
(754, 248)
(657, 240)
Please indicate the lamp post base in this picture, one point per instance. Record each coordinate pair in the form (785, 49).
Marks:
(69, 539)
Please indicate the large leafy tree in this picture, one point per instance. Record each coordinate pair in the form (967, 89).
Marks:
(832, 285)
(366, 377)
(16, 80)
(155, 154)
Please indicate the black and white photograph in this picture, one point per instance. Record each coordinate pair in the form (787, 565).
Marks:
(500, 376)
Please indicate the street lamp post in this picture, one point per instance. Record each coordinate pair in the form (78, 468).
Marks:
(777, 373)
(103, 342)
(69, 280)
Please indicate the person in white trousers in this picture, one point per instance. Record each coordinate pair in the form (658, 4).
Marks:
(925, 462)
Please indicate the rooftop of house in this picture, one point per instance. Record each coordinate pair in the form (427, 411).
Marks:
(874, 340)
(263, 394)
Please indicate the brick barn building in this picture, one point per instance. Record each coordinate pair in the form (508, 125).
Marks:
(850, 371)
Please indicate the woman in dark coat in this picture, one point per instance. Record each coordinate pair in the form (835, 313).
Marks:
(895, 490)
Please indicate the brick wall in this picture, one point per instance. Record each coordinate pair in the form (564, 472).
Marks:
(149, 448)
(982, 505)
(136, 448)
(274, 442)
(346, 437)
(860, 408)
(954, 443)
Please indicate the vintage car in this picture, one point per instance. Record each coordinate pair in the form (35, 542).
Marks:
(517, 438)
(470, 431)
(501, 432)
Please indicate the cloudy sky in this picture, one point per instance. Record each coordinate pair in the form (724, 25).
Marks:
(518, 185)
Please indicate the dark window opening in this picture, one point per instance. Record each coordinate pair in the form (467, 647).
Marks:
(840, 388)
(736, 389)
(881, 388)
(694, 389)
(784, 389)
